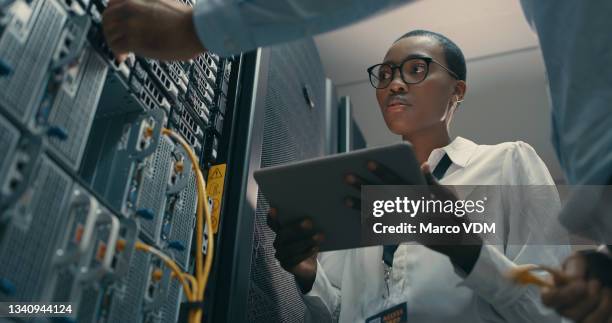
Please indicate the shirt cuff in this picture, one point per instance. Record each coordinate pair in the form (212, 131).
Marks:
(220, 27)
(488, 278)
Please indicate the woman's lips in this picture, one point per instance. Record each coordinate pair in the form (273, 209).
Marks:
(397, 106)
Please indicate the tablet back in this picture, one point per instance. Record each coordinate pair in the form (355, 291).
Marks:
(316, 188)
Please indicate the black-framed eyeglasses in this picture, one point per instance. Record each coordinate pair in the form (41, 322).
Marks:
(413, 70)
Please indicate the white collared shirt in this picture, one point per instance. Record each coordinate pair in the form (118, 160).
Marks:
(350, 287)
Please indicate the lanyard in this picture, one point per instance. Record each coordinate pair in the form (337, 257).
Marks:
(389, 251)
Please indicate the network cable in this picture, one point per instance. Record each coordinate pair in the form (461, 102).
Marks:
(202, 214)
(194, 287)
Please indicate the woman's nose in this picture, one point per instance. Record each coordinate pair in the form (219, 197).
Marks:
(397, 84)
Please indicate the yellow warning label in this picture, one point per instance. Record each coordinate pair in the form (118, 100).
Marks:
(216, 173)
(214, 189)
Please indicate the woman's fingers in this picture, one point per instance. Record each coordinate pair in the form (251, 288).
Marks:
(356, 181)
(386, 175)
(288, 253)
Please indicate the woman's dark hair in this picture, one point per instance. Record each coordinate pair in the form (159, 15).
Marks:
(452, 53)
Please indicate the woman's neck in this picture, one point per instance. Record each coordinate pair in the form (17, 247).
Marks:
(423, 142)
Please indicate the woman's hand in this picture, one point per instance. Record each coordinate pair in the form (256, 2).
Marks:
(297, 246)
(465, 251)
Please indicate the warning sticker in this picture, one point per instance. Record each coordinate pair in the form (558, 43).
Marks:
(214, 189)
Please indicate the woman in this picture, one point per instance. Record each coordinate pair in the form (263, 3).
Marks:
(419, 86)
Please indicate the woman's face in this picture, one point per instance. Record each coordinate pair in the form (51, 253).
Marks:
(409, 108)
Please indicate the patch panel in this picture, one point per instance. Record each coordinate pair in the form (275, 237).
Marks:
(177, 74)
(201, 91)
(9, 137)
(26, 252)
(205, 98)
(215, 57)
(211, 63)
(124, 141)
(170, 310)
(196, 130)
(150, 98)
(182, 115)
(85, 171)
(227, 70)
(27, 47)
(158, 284)
(184, 130)
(199, 106)
(163, 79)
(179, 216)
(139, 71)
(147, 191)
(98, 269)
(207, 60)
(16, 186)
(221, 104)
(190, 3)
(218, 125)
(74, 107)
(82, 265)
(211, 147)
(123, 301)
(100, 297)
(203, 80)
(207, 92)
(151, 88)
(120, 96)
(204, 70)
(95, 9)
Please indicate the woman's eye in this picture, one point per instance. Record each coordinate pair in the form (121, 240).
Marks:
(416, 69)
(384, 75)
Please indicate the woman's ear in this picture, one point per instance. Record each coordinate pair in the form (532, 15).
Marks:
(460, 90)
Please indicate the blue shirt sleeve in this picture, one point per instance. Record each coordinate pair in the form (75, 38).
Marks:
(575, 42)
(228, 27)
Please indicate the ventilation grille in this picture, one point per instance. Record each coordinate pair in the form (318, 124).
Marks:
(292, 131)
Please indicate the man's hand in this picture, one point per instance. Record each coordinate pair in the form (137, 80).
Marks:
(297, 246)
(585, 295)
(159, 29)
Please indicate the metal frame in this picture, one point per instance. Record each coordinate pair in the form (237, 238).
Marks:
(229, 287)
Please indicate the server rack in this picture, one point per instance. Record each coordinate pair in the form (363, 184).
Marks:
(289, 102)
(86, 173)
(85, 170)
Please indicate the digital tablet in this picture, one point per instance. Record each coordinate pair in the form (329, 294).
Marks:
(316, 188)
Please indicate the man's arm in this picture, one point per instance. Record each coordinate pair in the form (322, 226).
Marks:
(530, 198)
(169, 30)
(231, 27)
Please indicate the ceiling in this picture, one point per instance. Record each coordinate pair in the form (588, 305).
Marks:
(479, 27)
(506, 99)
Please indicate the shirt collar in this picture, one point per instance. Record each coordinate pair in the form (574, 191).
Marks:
(460, 151)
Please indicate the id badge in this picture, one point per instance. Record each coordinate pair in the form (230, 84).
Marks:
(395, 314)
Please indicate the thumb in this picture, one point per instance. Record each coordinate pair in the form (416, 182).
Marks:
(439, 191)
(426, 170)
